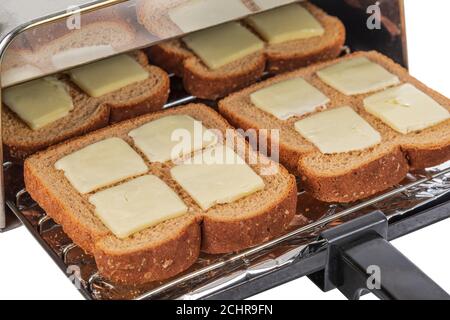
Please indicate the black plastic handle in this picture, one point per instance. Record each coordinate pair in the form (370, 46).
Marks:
(361, 260)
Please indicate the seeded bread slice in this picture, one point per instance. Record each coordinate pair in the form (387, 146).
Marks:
(167, 249)
(199, 80)
(174, 57)
(88, 114)
(296, 54)
(354, 175)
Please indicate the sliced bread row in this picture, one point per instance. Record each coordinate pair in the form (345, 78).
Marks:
(201, 81)
(88, 113)
(172, 246)
(348, 176)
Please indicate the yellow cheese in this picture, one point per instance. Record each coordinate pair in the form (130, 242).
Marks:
(223, 44)
(19, 74)
(137, 205)
(357, 76)
(171, 137)
(406, 109)
(338, 130)
(286, 23)
(101, 164)
(39, 102)
(194, 15)
(109, 75)
(217, 176)
(269, 4)
(294, 97)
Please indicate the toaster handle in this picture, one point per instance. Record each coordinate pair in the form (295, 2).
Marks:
(360, 259)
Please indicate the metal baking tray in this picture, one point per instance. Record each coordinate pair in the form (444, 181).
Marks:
(214, 274)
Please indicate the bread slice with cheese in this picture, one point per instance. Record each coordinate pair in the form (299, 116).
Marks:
(346, 176)
(199, 79)
(168, 248)
(175, 57)
(294, 54)
(88, 113)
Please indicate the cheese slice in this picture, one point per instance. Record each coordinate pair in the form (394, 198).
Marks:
(406, 109)
(217, 176)
(109, 75)
(223, 44)
(137, 205)
(194, 15)
(171, 137)
(294, 97)
(101, 164)
(19, 74)
(286, 23)
(269, 4)
(76, 56)
(338, 130)
(357, 76)
(39, 102)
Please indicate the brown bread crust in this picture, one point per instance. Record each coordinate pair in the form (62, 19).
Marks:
(368, 180)
(282, 58)
(214, 85)
(425, 158)
(154, 263)
(223, 236)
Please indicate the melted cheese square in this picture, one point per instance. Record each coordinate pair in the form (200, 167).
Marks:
(109, 75)
(137, 205)
(199, 14)
(217, 176)
(406, 109)
(172, 137)
(338, 130)
(292, 22)
(294, 97)
(39, 102)
(101, 164)
(221, 45)
(357, 76)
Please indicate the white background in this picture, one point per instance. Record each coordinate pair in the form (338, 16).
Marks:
(26, 272)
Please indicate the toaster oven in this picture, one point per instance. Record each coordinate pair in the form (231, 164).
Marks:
(333, 244)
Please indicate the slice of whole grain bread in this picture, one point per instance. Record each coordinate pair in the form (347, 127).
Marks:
(174, 57)
(295, 54)
(199, 80)
(88, 114)
(348, 176)
(169, 248)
